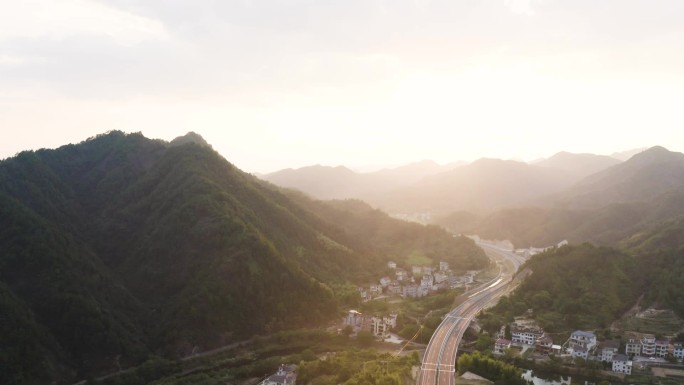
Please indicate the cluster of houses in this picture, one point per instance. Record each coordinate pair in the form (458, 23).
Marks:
(419, 282)
(584, 344)
(379, 326)
(286, 375)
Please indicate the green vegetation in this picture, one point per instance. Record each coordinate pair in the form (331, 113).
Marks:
(494, 370)
(358, 367)
(573, 287)
(121, 248)
(416, 259)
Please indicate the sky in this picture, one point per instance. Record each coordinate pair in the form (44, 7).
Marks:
(273, 84)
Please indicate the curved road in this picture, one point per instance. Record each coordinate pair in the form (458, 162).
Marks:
(440, 356)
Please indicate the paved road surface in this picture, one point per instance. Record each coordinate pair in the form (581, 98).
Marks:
(440, 356)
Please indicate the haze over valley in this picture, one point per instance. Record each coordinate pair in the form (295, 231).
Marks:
(359, 192)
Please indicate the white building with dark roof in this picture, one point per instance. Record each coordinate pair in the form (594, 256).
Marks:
(662, 348)
(607, 349)
(584, 339)
(285, 375)
(622, 364)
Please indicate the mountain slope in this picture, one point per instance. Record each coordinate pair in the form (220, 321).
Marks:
(121, 246)
(603, 208)
(324, 182)
(578, 165)
(480, 186)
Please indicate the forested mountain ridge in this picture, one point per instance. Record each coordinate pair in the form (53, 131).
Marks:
(122, 246)
(603, 208)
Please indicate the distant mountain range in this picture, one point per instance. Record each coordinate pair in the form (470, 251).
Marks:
(604, 207)
(579, 197)
(122, 247)
(482, 186)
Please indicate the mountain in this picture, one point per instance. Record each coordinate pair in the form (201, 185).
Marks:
(603, 208)
(122, 247)
(324, 182)
(483, 185)
(578, 165)
(643, 177)
(625, 155)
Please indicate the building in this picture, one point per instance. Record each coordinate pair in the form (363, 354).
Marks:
(525, 335)
(648, 345)
(427, 281)
(501, 345)
(392, 265)
(440, 277)
(443, 266)
(607, 349)
(662, 348)
(401, 275)
(416, 270)
(375, 290)
(354, 319)
(580, 351)
(584, 339)
(394, 288)
(410, 291)
(427, 270)
(678, 350)
(543, 345)
(285, 375)
(384, 281)
(381, 326)
(622, 364)
(633, 347)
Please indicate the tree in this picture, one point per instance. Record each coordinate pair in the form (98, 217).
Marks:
(365, 338)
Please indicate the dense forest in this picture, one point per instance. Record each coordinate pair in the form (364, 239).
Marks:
(589, 287)
(122, 247)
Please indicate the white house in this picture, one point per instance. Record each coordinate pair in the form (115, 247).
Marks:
(608, 349)
(584, 339)
(501, 345)
(392, 265)
(354, 319)
(384, 281)
(580, 351)
(381, 326)
(440, 277)
(285, 375)
(648, 345)
(633, 347)
(678, 350)
(622, 364)
(416, 270)
(401, 275)
(427, 281)
(443, 266)
(662, 348)
(525, 335)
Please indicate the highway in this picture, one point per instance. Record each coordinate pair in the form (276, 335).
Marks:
(438, 365)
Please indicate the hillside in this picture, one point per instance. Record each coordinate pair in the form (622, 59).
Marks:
(603, 208)
(578, 165)
(588, 287)
(339, 182)
(481, 186)
(120, 247)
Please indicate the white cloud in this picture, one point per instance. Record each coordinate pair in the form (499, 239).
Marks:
(58, 19)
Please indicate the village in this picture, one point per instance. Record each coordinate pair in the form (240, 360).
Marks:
(616, 355)
(419, 281)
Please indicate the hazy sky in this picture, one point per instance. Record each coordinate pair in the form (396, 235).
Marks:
(275, 84)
